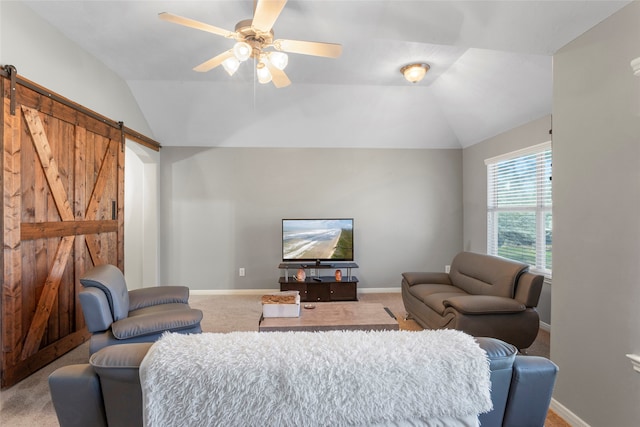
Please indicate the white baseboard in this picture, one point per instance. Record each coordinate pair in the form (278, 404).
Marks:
(545, 326)
(232, 291)
(264, 291)
(379, 290)
(567, 415)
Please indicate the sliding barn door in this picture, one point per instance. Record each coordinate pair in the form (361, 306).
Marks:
(63, 186)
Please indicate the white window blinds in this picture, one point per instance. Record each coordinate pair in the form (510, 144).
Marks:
(519, 219)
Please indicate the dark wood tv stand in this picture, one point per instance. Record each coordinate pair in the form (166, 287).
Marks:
(320, 287)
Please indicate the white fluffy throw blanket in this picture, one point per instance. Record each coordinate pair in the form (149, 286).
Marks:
(337, 378)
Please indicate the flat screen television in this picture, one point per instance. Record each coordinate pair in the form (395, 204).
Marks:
(319, 240)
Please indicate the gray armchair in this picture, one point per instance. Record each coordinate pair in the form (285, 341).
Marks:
(115, 315)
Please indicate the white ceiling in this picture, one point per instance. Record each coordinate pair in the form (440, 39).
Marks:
(491, 68)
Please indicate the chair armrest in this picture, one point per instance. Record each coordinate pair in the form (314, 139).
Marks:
(484, 304)
(77, 397)
(117, 366)
(529, 288)
(431, 278)
(531, 390)
(96, 310)
(146, 297)
(153, 323)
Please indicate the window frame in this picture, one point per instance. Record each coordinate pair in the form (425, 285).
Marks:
(541, 208)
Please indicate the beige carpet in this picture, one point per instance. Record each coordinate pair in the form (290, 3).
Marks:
(28, 403)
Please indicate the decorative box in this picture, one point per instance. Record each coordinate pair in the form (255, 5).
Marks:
(281, 304)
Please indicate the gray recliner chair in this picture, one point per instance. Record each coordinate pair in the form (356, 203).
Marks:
(115, 315)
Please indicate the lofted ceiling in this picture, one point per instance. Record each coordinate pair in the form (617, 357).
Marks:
(491, 68)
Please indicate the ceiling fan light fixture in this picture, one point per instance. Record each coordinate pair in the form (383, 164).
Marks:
(231, 65)
(242, 51)
(252, 37)
(414, 72)
(279, 60)
(264, 75)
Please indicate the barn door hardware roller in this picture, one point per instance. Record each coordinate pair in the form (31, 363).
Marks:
(11, 70)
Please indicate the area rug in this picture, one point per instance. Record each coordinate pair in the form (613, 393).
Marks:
(337, 378)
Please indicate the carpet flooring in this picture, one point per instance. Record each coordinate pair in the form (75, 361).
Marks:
(28, 403)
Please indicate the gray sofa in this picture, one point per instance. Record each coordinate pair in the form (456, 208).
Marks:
(107, 391)
(482, 295)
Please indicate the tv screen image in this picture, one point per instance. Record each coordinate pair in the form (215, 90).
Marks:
(317, 239)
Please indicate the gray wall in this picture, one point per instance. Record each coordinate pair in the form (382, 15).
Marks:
(221, 209)
(474, 186)
(596, 252)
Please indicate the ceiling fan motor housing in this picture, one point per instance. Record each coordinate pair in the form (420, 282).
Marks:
(255, 38)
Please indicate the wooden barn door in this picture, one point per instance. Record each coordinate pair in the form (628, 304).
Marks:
(63, 195)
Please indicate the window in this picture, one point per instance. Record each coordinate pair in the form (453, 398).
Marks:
(519, 222)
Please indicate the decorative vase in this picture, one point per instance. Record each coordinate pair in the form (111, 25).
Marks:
(338, 275)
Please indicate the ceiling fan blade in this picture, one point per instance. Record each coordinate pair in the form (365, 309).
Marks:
(169, 17)
(329, 50)
(266, 13)
(214, 62)
(278, 76)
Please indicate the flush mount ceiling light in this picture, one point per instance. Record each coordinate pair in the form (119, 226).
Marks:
(414, 72)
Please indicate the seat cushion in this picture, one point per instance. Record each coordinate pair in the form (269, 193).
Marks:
(158, 318)
(436, 302)
(484, 304)
(423, 291)
(110, 280)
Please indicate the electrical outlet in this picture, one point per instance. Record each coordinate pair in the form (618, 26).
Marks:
(241, 272)
(312, 272)
(447, 269)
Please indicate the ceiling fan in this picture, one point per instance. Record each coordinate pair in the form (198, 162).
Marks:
(253, 39)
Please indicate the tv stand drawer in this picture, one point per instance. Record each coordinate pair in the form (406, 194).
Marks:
(343, 291)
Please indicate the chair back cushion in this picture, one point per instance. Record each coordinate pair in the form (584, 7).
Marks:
(96, 310)
(480, 274)
(110, 280)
